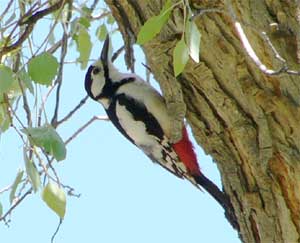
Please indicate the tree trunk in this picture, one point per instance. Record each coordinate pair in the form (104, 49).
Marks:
(247, 121)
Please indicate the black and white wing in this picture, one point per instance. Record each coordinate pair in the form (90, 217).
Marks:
(140, 126)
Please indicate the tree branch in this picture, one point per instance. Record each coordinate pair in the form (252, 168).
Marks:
(6, 9)
(3, 217)
(58, 81)
(252, 53)
(30, 22)
(94, 118)
(64, 48)
(71, 113)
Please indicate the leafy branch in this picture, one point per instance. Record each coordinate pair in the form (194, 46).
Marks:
(39, 74)
(189, 43)
(29, 19)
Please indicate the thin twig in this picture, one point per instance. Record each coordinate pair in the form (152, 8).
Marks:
(71, 191)
(89, 16)
(11, 110)
(41, 162)
(283, 69)
(25, 101)
(94, 4)
(94, 118)
(72, 112)
(24, 184)
(58, 81)
(5, 189)
(201, 11)
(17, 202)
(56, 231)
(79, 130)
(25, 104)
(53, 170)
(9, 4)
(18, 132)
(30, 18)
(246, 44)
(56, 45)
(30, 22)
(276, 54)
(252, 53)
(63, 54)
(117, 53)
(101, 16)
(52, 28)
(42, 107)
(148, 72)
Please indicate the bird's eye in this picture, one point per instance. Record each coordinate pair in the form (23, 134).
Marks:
(96, 70)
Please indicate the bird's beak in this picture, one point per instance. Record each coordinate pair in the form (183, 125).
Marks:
(104, 53)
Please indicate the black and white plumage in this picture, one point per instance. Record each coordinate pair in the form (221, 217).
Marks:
(136, 109)
(139, 112)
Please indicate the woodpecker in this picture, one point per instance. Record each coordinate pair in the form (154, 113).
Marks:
(140, 113)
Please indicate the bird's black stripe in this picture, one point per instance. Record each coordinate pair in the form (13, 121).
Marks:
(88, 81)
(110, 88)
(112, 115)
(140, 112)
(106, 73)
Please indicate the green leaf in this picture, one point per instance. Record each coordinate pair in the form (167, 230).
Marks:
(110, 19)
(14, 187)
(43, 68)
(32, 173)
(6, 79)
(5, 120)
(84, 22)
(85, 10)
(193, 36)
(84, 46)
(1, 209)
(55, 198)
(101, 32)
(154, 24)
(47, 138)
(180, 57)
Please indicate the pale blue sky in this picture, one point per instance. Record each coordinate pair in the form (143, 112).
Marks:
(124, 196)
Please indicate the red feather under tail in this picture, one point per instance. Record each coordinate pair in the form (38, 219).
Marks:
(185, 151)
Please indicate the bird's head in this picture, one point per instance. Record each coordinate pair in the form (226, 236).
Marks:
(98, 73)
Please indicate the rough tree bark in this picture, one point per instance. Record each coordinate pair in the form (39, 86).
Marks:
(247, 121)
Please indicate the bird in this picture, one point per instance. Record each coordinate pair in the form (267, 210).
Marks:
(140, 113)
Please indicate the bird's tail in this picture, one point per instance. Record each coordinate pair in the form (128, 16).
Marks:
(220, 196)
(212, 189)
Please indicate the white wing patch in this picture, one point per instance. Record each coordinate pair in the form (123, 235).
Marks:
(135, 129)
